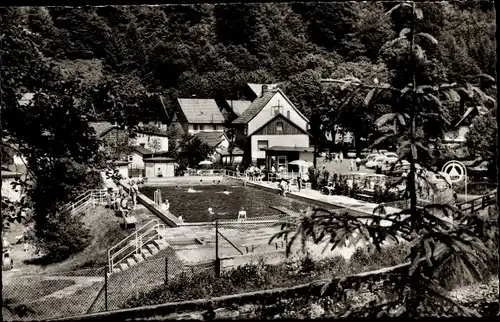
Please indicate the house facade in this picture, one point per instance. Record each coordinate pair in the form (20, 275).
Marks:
(156, 142)
(162, 125)
(136, 160)
(270, 120)
(159, 167)
(198, 115)
(8, 177)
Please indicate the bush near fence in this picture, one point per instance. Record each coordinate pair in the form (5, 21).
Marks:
(260, 276)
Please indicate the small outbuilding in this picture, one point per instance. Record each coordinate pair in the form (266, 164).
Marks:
(159, 167)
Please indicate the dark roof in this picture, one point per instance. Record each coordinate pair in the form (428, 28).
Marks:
(151, 133)
(289, 148)
(142, 150)
(257, 88)
(236, 151)
(283, 117)
(158, 159)
(201, 110)
(260, 102)
(238, 107)
(101, 128)
(257, 105)
(211, 138)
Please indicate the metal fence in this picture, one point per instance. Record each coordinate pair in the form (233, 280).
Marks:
(219, 246)
(61, 294)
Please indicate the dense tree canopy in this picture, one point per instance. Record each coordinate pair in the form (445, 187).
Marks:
(112, 62)
(213, 50)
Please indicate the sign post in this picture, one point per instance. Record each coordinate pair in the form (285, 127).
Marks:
(457, 171)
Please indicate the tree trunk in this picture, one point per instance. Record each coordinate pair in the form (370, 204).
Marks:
(357, 143)
(314, 155)
(413, 156)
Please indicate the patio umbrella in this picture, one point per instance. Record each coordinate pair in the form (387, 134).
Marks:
(302, 164)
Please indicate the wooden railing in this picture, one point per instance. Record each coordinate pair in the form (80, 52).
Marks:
(479, 203)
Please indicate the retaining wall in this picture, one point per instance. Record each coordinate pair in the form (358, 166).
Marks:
(166, 217)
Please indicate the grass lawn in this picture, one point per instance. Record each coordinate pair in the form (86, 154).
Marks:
(105, 232)
(27, 289)
(60, 306)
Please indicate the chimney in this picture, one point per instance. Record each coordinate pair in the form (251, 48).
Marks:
(264, 90)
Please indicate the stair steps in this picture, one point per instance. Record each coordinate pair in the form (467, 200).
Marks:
(152, 249)
(123, 266)
(146, 254)
(131, 261)
(138, 258)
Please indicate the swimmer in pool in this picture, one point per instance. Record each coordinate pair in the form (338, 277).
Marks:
(226, 192)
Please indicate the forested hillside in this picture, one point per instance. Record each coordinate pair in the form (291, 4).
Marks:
(213, 50)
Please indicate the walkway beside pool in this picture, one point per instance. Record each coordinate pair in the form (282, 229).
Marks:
(354, 206)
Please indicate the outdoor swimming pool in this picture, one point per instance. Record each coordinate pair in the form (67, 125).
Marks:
(193, 206)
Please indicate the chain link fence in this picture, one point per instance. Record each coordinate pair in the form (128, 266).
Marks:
(68, 293)
(49, 295)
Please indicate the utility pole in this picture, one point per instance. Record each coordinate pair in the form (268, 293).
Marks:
(217, 259)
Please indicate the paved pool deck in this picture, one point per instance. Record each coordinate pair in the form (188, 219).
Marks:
(328, 201)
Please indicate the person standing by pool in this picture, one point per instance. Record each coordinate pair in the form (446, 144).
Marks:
(165, 206)
(341, 157)
(358, 163)
(134, 190)
(242, 215)
(351, 165)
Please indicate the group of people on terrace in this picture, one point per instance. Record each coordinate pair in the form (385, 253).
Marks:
(121, 200)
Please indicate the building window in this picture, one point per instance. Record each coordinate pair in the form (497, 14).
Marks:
(262, 144)
(288, 114)
(214, 127)
(130, 158)
(202, 127)
(195, 127)
(275, 110)
(245, 130)
(279, 127)
(282, 161)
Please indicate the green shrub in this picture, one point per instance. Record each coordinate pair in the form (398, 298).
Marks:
(61, 236)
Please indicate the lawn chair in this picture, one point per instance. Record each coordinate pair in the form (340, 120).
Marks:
(294, 185)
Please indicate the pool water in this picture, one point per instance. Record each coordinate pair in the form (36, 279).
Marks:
(193, 206)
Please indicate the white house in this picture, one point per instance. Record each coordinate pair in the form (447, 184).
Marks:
(198, 115)
(137, 156)
(271, 121)
(156, 142)
(8, 177)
